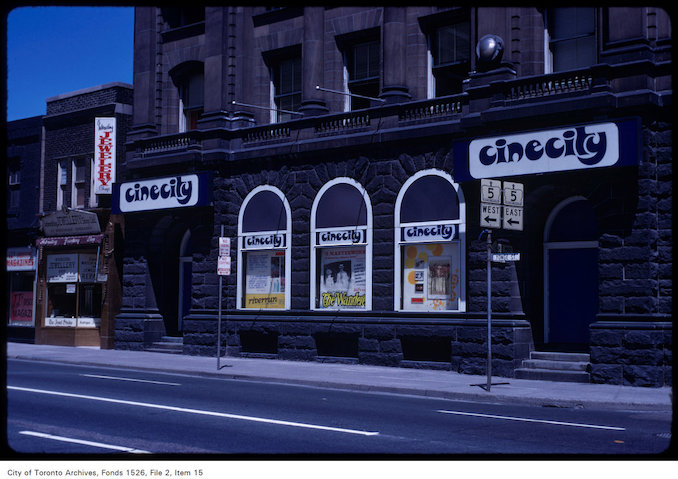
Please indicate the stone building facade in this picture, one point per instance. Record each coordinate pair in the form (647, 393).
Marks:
(342, 151)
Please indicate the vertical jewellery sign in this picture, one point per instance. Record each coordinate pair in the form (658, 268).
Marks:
(104, 155)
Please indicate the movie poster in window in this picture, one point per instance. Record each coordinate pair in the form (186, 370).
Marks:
(343, 278)
(265, 279)
(431, 277)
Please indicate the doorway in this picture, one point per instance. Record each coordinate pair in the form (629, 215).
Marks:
(570, 274)
(185, 280)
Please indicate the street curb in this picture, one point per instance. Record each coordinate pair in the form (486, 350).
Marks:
(380, 389)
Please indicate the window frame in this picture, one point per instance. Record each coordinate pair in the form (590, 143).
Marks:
(434, 69)
(315, 247)
(399, 243)
(242, 270)
(549, 62)
(351, 83)
(278, 116)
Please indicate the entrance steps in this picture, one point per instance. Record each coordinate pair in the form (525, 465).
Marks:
(555, 366)
(167, 344)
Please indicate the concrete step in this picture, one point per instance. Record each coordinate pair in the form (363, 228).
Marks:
(168, 344)
(553, 375)
(555, 365)
(558, 356)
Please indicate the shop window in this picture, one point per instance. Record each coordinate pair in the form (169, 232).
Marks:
(264, 235)
(450, 55)
(571, 38)
(362, 71)
(429, 250)
(285, 88)
(341, 238)
(73, 294)
(20, 302)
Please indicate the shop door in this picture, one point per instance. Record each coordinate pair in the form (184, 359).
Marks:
(570, 274)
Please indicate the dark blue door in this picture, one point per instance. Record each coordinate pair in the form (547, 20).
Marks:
(572, 293)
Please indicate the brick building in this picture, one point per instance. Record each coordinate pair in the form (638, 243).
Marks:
(78, 285)
(342, 150)
(24, 142)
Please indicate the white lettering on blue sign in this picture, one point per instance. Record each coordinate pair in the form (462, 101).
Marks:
(573, 148)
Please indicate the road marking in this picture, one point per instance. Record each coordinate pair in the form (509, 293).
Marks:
(199, 411)
(86, 443)
(129, 379)
(543, 421)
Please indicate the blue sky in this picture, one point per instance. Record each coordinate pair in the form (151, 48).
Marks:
(55, 50)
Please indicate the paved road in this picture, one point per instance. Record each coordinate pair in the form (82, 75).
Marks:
(56, 408)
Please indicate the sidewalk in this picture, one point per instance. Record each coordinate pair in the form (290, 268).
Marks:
(439, 384)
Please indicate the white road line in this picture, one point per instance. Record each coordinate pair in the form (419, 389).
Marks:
(523, 419)
(129, 379)
(199, 411)
(86, 443)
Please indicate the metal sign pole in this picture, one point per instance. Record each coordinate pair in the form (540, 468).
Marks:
(219, 320)
(489, 309)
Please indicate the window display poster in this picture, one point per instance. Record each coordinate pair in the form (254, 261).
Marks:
(343, 278)
(87, 267)
(21, 313)
(265, 279)
(62, 268)
(431, 276)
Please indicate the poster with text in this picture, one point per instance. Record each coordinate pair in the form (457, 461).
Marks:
(343, 278)
(265, 280)
(431, 276)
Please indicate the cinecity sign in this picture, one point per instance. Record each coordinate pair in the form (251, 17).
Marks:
(162, 193)
(562, 149)
(104, 155)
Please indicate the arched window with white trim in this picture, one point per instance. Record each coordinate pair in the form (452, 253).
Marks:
(430, 236)
(341, 243)
(264, 237)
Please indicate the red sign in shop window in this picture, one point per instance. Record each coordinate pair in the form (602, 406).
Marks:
(22, 307)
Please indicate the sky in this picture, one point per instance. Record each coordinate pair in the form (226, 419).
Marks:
(56, 50)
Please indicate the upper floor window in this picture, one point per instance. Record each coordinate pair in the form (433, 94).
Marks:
(179, 17)
(450, 55)
(571, 38)
(79, 181)
(285, 88)
(14, 184)
(362, 67)
(190, 80)
(62, 183)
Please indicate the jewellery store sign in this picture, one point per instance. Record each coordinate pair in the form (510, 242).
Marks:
(565, 148)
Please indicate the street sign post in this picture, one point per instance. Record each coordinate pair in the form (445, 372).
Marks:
(223, 269)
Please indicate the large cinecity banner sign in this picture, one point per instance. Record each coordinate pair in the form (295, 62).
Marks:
(566, 148)
(104, 155)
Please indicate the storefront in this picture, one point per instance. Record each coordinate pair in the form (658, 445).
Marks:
(21, 282)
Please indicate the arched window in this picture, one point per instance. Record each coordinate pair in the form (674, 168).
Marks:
(430, 233)
(264, 237)
(341, 242)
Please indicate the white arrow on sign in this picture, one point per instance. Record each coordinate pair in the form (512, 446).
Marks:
(490, 215)
(513, 218)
